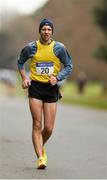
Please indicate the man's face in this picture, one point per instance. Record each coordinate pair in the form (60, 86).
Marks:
(46, 33)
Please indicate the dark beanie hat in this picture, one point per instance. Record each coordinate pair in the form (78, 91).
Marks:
(45, 22)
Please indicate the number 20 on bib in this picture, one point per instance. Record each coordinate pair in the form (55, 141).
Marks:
(44, 68)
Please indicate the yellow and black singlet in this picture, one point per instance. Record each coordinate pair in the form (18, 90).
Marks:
(46, 60)
(44, 63)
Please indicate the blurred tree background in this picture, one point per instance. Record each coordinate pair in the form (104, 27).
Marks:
(76, 24)
(100, 15)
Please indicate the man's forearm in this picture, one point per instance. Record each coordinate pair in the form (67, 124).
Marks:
(23, 74)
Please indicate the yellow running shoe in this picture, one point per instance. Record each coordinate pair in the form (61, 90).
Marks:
(45, 155)
(41, 164)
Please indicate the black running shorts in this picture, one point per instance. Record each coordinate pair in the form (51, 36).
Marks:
(44, 91)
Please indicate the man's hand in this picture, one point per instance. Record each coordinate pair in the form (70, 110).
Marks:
(26, 83)
(53, 80)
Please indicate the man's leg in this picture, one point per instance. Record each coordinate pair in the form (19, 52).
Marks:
(36, 107)
(49, 110)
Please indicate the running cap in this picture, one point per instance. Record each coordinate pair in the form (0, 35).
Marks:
(46, 22)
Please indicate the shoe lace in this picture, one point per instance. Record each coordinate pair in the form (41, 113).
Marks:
(41, 160)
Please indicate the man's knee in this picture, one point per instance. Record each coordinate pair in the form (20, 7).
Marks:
(37, 126)
(48, 130)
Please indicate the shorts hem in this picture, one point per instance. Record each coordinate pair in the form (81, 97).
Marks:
(47, 101)
(36, 97)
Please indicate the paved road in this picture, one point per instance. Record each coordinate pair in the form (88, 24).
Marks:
(77, 148)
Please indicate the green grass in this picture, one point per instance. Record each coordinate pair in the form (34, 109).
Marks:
(93, 95)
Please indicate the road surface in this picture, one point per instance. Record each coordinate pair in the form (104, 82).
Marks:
(76, 150)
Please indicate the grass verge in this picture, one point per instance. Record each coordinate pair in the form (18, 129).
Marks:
(93, 95)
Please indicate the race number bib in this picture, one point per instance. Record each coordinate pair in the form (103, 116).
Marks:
(45, 68)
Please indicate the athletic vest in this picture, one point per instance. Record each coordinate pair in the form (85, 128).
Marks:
(44, 63)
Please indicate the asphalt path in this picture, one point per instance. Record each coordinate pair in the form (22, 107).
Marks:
(76, 150)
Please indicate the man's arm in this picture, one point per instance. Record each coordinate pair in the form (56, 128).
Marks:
(24, 56)
(25, 80)
(65, 58)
